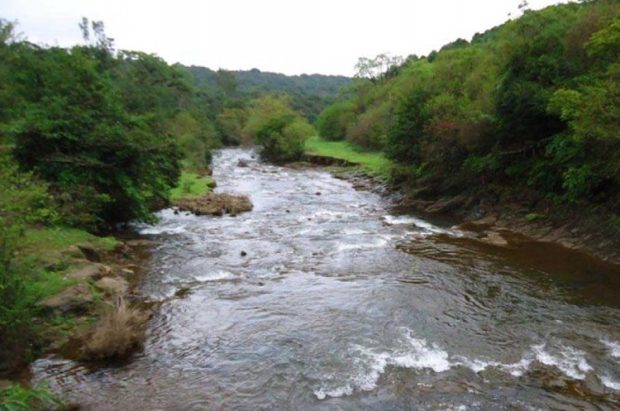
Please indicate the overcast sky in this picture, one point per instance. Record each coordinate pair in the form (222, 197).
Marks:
(287, 36)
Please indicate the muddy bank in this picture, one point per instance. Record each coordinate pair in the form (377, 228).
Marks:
(585, 232)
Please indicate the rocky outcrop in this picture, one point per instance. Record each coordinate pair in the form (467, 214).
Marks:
(446, 205)
(216, 204)
(115, 286)
(86, 272)
(327, 161)
(140, 243)
(74, 298)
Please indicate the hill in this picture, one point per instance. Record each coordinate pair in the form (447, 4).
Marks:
(310, 93)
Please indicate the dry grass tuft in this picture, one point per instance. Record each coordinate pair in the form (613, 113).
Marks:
(120, 331)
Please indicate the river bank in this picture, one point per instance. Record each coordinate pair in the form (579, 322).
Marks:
(82, 301)
(490, 218)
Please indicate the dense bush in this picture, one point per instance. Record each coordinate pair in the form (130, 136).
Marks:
(334, 121)
(282, 138)
(23, 201)
(531, 104)
(106, 130)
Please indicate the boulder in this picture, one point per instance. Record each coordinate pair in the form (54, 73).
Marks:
(113, 285)
(87, 272)
(494, 238)
(215, 204)
(74, 298)
(140, 243)
(90, 253)
(242, 163)
(445, 205)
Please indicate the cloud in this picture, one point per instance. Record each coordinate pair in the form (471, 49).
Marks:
(290, 36)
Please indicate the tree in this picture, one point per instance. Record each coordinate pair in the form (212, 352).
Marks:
(227, 81)
(375, 68)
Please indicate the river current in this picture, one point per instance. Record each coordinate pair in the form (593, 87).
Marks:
(324, 298)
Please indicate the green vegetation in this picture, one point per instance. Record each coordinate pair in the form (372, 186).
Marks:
(372, 162)
(191, 185)
(279, 129)
(89, 137)
(309, 94)
(531, 106)
(18, 398)
(92, 137)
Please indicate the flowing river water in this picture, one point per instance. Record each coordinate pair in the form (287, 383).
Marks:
(341, 304)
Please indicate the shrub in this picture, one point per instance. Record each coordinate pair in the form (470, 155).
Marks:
(23, 200)
(120, 331)
(282, 138)
(370, 129)
(333, 122)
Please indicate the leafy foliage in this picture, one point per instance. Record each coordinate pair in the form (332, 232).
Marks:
(334, 121)
(275, 126)
(531, 104)
(18, 398)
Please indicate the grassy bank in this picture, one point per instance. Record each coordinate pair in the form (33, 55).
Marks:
(372, 162)
(43, 257)
(191, 185)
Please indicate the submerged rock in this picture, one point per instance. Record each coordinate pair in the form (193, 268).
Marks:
(215, 204)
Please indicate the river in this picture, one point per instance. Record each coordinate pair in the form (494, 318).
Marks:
(324, 298)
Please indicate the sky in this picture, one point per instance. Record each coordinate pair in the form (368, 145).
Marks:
(285, 36)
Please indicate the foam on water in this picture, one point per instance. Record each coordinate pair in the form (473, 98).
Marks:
(613, 347)
(428, 228)
(376, 243)
(162, 230)
(570, 361)
(216, 276)
(419, 354)
(610, 383)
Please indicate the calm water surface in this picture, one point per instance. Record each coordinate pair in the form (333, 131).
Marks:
(341, 305)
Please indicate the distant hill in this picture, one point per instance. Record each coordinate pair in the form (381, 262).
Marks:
(310, 93)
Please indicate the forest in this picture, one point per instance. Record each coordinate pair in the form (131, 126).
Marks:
(529, 108)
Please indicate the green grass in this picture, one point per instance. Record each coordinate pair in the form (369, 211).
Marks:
(50, 239)
(18, 398)
(191, 185)
(372, 162)
(43, 262)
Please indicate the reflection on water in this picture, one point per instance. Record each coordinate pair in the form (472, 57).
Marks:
(338, 304)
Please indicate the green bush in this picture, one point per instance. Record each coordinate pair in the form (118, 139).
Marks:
(103, 165)
(23, 201)
(333, 122)
(282, 138)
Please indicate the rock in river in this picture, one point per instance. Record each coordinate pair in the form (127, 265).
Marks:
(215, 204)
